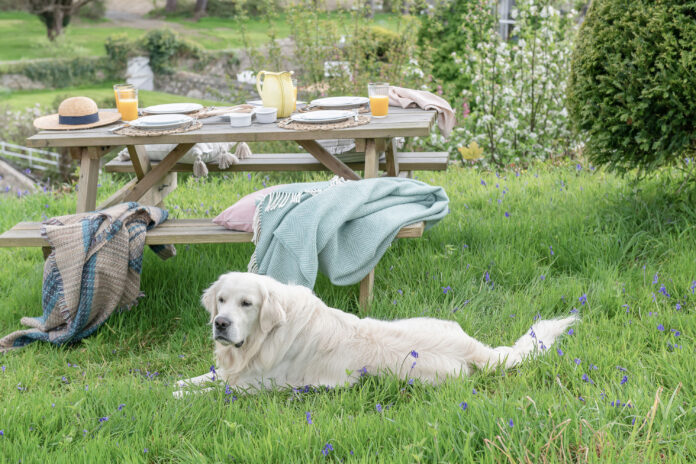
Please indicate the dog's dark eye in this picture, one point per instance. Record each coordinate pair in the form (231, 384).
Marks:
(246, 303)
(221, 300)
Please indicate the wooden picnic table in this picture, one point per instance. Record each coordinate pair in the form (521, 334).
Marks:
(154, 181)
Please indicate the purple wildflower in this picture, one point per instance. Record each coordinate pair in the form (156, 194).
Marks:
(400, 292)
(586, 378)
(121, 406)
(363, 371)
(483, 182)
(410, 381)
(678, 307)
(511, 424)
(574, 311)
(327, 449)
(487, 277)
(145, 450)
(551, 250)
(571, 331)
(578, 167)
(3, 368)
(676, 332)
(507, 215)
(624, 379)
(593, 367)
(104, 419)
(583, 299)
(655, 278)
(542, 277)
(308, 416)
(693, 286)
(622, 369)
(661, 327)
(531, 333)
(474, 391)
(663, 290)
(378, 407)
(414, 353)
(446, 289)
(559, 351)
(577, 361)
(463, 405)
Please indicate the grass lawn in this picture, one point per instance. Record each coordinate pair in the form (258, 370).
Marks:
(21, 99)
(23, 36)
(548, 242)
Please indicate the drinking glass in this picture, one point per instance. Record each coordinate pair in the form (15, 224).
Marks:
(127, 99)
(379, 98)
(120, 86)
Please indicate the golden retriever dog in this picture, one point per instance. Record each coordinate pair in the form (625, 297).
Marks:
(269, 334)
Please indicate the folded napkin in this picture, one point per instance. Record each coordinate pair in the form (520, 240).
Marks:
(405, 98)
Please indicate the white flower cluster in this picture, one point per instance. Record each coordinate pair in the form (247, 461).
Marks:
(518, 90)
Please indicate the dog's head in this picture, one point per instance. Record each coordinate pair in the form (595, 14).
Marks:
(242, 306)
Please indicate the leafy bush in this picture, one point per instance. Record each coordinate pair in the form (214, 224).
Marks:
(94, 10)
(161, 45)
(453, 26)
(63, 72)
(631, 88)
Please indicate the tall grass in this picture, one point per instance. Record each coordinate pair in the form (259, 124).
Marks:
(545, 242)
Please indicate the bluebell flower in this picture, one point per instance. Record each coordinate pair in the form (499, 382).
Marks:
(414, 353)
(559, 351)
(678, 307)
(511, 423)
(655, 278)
(363, 371)
(308, 416)
(577, 361)
(663, 290)
(583, 299)
(446, 289)
(551, 250)
(487, 277)
(693, 286)
(571, 331)
(410, 381)
(542, 277)
(587, 379)
(624, 379)
(661, 327)
(378, 407)
(104, 419)
(507, 215)
(483, 182)
(676, 332)
(463, 405)
(327, 448)
(473, 391)
(121, 406)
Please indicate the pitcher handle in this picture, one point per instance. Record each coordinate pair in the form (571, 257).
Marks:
(258, 83)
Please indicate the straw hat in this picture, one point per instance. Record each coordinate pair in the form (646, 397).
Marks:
(77, 113)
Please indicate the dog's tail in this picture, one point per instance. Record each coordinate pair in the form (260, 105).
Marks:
(537, 340)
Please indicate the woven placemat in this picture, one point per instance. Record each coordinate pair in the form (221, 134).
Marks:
(134, 132)
(302, 126)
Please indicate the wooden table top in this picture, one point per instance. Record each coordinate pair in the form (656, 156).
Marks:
(399, 123)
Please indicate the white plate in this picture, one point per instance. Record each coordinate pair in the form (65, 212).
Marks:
(171, 108)
(161, 121)
(298, 103)
(340, 102)
(321, 117)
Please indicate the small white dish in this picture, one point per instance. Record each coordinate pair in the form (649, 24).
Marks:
(266, 114)
(322, 116)
(340, 102)
(161, 121)
(172, 108)
(240, 119)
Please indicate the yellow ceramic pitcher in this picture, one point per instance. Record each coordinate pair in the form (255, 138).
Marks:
(277, 91)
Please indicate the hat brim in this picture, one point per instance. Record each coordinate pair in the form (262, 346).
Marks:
(50, 122)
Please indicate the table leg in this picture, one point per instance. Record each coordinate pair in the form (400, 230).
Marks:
(392, 158)
(156, 174)
(371, 159)
(327, 159)
(371, 171)
(89, 177)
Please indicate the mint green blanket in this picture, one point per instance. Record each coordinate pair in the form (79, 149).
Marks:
(341, 228)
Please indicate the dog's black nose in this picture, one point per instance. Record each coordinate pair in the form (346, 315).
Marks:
(222, 323)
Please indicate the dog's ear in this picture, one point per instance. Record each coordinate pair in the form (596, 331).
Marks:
(209, 300)
(272, 313)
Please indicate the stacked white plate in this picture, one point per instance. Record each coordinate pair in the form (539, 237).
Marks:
(340, 102)
(161, 121)
(173, 108)
(322, 116)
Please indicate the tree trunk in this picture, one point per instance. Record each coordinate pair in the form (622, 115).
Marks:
(199, 9)
(170, 7)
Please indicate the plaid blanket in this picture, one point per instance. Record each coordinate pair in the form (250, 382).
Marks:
(93, 269)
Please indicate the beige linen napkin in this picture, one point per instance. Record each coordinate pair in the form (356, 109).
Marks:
(400, 96)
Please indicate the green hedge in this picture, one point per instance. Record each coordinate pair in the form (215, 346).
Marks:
(65, 72)
(631, 88)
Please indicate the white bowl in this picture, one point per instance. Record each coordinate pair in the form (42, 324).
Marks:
(240, 119)
(266, 114)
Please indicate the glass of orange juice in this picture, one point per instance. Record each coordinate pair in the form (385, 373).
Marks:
(120, 86)
(127, 101)
(379, 98)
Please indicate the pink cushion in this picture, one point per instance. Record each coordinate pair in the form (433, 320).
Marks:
(240, 216)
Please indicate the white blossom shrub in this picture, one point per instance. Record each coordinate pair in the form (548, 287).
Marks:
(518, 89)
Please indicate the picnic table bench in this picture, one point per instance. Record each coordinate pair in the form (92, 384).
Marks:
(153, 181)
